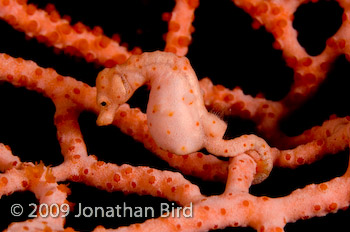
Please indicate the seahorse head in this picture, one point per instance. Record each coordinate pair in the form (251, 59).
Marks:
(113, 90)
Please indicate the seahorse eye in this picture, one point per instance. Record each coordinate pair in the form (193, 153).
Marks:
(103, 103)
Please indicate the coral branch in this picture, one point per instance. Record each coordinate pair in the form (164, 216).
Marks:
(180, 27)
(50, 28)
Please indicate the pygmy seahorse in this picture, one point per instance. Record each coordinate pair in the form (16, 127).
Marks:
(177, 118)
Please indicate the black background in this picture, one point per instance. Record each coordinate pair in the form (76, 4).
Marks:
(225, 48)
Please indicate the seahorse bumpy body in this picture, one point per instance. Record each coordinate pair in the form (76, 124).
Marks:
(176, 115)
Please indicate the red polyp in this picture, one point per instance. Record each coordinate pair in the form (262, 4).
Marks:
(261, 8)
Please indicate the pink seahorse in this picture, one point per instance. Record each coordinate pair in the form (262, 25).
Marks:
(176, 115)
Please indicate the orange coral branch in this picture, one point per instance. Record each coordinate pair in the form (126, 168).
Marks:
(180, 27)
(50, 28)
(39, 180)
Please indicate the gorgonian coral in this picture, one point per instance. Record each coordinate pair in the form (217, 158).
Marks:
(299, 100)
